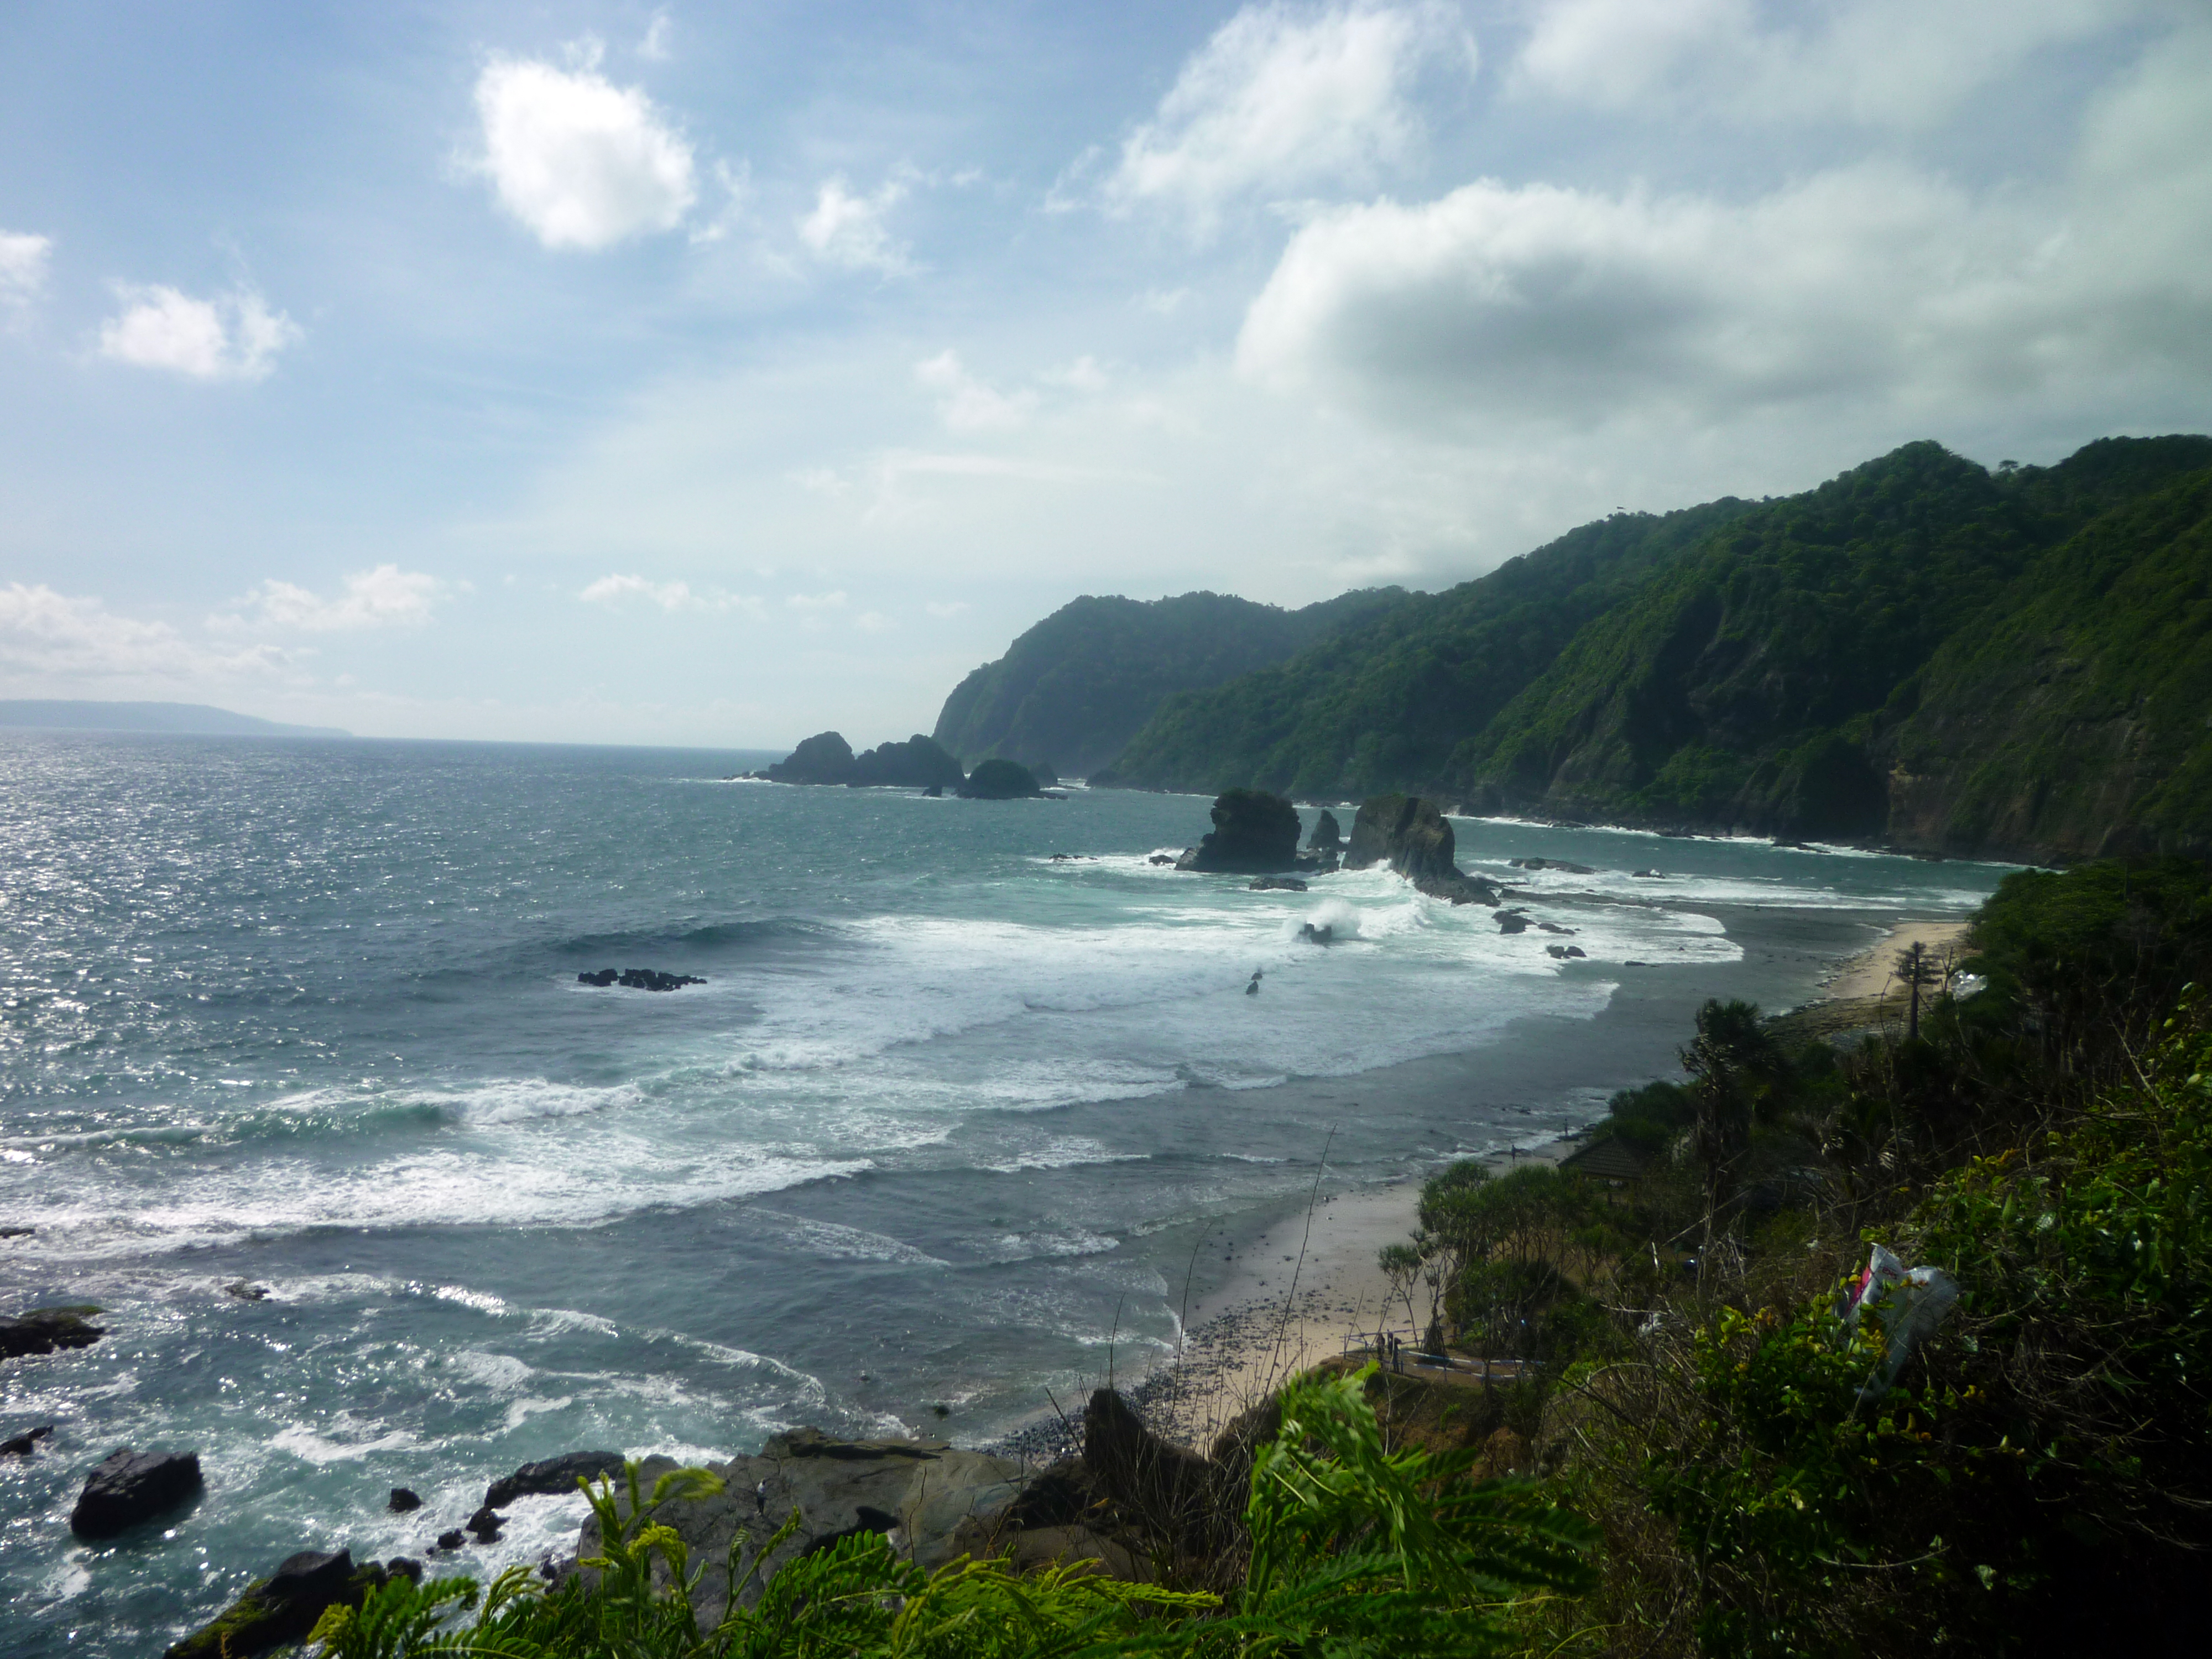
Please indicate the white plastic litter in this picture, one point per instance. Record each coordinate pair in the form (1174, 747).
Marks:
(1909, 1301)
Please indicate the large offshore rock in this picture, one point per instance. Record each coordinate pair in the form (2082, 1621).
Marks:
(1327, 837)
(1253, 833)
(129, 1487)
(1413, 838)
(48, 1330)
(825, 757)
(921, 1493)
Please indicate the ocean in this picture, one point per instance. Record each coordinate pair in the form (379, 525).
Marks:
(931, 1150)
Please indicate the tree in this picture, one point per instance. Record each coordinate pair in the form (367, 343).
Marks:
(1734, 1066)
(1916, 968)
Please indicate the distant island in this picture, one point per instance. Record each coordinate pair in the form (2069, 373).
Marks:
(1923, 653)
(187, 719)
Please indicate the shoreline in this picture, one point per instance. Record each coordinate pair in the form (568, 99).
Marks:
(1302, 1288)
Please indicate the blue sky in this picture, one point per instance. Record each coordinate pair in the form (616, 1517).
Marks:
(717, 374)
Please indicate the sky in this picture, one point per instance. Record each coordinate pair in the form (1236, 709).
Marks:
(715, 375)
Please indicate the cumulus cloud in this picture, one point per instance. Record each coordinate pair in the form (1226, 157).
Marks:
(654, 46)
(848, 230)
(669, 596)
(385, 597)
(23, 259)
(232, 337)
(814, 603)
(1286, 97)
(581, 162)
(966, 403)
(47, 635)
(1874, 281)
(1888, 63)
(945, 610)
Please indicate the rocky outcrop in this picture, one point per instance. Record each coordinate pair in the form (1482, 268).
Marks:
(1413, 838)
(285, 1605)
(640, 979)
(49, 1330)
(129, 1487)
(1561, 865)
(552, 1477)
(1327, 837)
(22, 1445)
(918, 1493)
(826, 758)
(1253, 833)
(1279, 885)
(1000, 780)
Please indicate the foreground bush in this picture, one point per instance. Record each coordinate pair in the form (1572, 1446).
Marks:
(1354, 1550)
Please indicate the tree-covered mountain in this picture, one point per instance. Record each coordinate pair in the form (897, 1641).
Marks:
(1073, 689)
(1859, 659)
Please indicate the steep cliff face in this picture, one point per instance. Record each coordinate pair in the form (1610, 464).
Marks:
(1073, 689)
(1920, 649)
(2075, 719)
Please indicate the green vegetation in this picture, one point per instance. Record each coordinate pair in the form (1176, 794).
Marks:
(1959, 660)
(2039, 1478)
(1073, 690)
(1350, 1547)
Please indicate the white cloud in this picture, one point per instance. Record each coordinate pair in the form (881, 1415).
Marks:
(967, 404)
(1083, 374)
(23, 259)
(848, 230)
(581, 162)
(816, 602)
(669, 596)
(233, 337)
(874, 621)
(47, 635)
(1876, 283)
(1888, 63)
(382, 598)
(654, 46)
(946, 610)
(1284, 98)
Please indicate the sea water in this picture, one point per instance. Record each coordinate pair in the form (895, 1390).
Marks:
(930, 1151)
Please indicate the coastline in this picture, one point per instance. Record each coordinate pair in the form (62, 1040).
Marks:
(1304, 1287)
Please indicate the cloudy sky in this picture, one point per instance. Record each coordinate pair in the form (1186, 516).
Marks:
(692, 374)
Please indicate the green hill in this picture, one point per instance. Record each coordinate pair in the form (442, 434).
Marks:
(1073, 689)
(1848, 661)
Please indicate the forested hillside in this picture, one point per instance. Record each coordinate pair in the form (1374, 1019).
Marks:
(1073, 689)
(1921, 648)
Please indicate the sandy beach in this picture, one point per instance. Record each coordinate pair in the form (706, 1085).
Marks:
(1872, 971)
(1307, 1289)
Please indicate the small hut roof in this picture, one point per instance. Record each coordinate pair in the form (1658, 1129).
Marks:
(1610, 1159)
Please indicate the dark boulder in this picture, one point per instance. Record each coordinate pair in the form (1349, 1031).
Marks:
(1000, 780)
(1254, 832)
(130, 1487)
(403, 1500)
(552, 1477)
(1279, 885)
(1327, 837)
(284, 1607)
(49, 1330)
(935, 791)
(24, 1445)
(1160, 858)
(825, 757)
(1512, 922)
(1414, 838)
(1174, 1494)
(452, 1539)
(1324, 934)
(485, 1525)
(638, 979)
(1560, 865)
(1563, 951)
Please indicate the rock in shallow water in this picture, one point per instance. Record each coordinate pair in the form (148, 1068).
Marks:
(129, 1487)
(49, 1330)
(552, 1477)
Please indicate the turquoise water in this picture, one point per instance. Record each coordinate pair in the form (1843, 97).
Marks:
(937, 1132)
